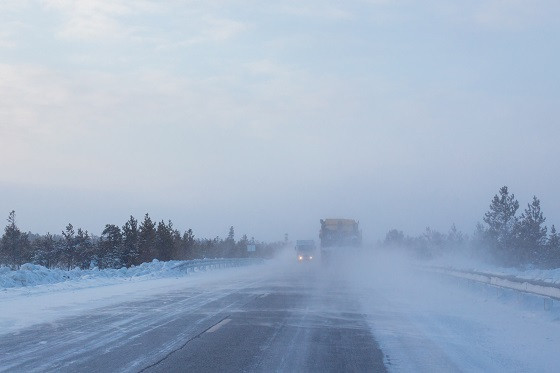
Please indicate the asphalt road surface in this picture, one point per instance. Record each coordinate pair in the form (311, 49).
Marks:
(300, 318)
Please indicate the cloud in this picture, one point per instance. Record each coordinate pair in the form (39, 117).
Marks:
(54, 123)
(13, 5)
(139, 21)
(507, 15)
(97, 19)
(55, 128)
(6, 39)
(211, 29)
(220, 29)
(513, 14)
(198, 29)
(11, 31)
(26, 88)
(487, 14)
(316, 10)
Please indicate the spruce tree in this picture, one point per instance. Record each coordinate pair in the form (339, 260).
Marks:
(553, 249)
(147, 240)
(241, 247)
(433, 243)
(84, 250)
(130, 234)
(229, 243)
(68, 246)
(531, 235)
(187, 245)
(14, 246)
(394, 238)
(164, 241)
(111, 252)
(455, 239)
(45, 251)
(501, 221)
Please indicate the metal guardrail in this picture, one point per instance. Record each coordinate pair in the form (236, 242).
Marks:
(206, 264)
(509, 282)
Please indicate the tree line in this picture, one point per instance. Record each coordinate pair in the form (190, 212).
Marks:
(504, 237)
(130, 245)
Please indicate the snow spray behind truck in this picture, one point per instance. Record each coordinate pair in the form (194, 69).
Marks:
(338, 233)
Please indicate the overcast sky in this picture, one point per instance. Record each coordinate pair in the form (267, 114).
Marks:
(270, 115)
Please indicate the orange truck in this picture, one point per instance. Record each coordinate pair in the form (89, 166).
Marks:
(336, 233)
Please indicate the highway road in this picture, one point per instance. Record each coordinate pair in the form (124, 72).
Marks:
(368, 313)
(295, 318)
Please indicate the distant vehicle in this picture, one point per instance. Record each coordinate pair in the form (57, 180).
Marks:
(336, 233)
(305, 250)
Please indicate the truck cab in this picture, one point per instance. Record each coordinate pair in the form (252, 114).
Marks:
(305, 250)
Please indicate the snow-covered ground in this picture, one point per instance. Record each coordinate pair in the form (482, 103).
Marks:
(34, 294)
(31, 275)
(550, 276)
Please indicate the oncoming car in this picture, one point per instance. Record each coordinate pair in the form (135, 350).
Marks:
(305, 250)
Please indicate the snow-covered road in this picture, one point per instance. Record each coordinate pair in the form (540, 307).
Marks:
(119, 327)
(281, 316)
(258, 318)
(433, 323)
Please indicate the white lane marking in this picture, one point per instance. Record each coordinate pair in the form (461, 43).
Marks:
(218, 326)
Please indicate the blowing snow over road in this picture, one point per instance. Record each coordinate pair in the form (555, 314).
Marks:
(368, 312)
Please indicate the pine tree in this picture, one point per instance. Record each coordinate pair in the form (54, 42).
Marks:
(552, 258)
(434, 243)
(530, 234)
(187, 245)
(501, 221)
(229, 243)
(69, 246)
(164, 241)
(111, 252)
(455, 239)
(14, 246)
(394, 238)
(45, 251)
(478, 245)
(147, 240)
(241, 247)
(84, 250)
(130, 242)
(177, 244)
